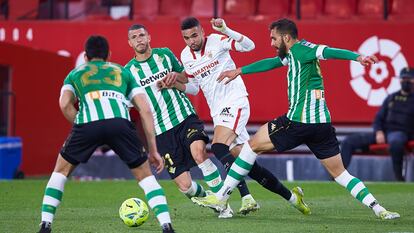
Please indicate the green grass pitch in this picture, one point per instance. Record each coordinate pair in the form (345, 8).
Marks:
(90, 207)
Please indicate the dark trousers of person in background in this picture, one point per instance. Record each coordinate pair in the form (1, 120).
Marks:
(361, 141)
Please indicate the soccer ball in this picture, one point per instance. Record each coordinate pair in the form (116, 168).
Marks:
(134, 212)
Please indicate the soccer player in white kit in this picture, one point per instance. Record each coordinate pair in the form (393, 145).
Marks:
(204, 58)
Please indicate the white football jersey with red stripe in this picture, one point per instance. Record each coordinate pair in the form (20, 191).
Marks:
(204, 67)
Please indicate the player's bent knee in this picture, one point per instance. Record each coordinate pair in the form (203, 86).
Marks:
(142, 171)
(183, 184)
(200, 156)
(260, 147)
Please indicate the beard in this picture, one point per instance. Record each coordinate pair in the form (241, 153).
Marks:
(282, 50)
(141, 50)
(196, 47)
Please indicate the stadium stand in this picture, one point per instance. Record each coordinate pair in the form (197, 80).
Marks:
(371, 9)
(145, 9)
(239, 9)
(236, 11)
(205, 8)
(339, 9)
(310, 9)
(402, 9)
(270, 9)
(174, 9)
(230, 9)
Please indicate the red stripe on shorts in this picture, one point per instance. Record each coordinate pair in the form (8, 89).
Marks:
(237, 120)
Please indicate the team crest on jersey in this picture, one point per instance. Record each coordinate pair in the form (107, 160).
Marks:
(135, 69)
(210, 54)
(160, 59)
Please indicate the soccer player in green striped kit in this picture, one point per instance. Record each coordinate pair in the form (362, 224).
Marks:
(180, 135)
(102, 89)
(307, 121)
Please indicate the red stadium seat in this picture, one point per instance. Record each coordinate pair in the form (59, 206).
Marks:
(239, 8)
(205, 8)
(144, 9)
(174, 8)
(80, 10)
(310, 9)
(340, 9)
(384, 147)
(371, 9)
(402, 9)
(272, 9)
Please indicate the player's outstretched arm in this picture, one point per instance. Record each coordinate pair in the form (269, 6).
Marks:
(243, 43)
(335, 53)
(256, 67)
(141, 104)
(66, 104)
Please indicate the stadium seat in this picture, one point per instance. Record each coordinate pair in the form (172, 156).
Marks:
(340, 9)
(239, 8)
(310, 9)
(383, 148)
(18, 9)
(205, 8)
(174, 8)
(402, 9)
(144, 9)
(372, 9)
(272, 9)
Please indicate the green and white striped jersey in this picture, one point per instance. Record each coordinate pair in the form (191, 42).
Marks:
(170, 107)
(305, 84)
(103, 90)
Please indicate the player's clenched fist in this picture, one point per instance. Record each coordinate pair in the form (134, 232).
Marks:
(218, 25)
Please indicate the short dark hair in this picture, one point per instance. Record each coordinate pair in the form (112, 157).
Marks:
(136, 27)
(189, 22)
(97, 46)
(285, 26)
(407, 72)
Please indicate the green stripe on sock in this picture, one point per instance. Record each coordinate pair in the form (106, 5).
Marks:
(49, 208)
(154, 193)
(243, 164)
(55, 193)
(235, 175)
(217, 188)
(198, 190)
(362, 194)
(352, 184)
(212, 176)
(158, 209)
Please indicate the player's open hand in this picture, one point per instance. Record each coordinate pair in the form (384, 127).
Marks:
(218, 25)
(170, 79)
(229, 75)
(156, 161)
(367, 60)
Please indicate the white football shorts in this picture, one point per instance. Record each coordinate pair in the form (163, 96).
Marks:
(235, 115)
